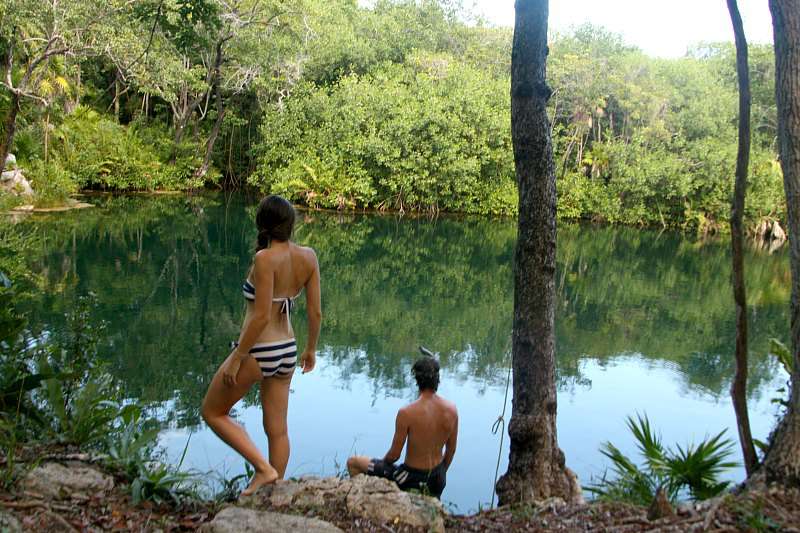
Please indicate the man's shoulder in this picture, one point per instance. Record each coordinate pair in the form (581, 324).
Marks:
(447, 403)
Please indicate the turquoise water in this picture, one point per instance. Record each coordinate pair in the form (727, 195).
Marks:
(644, 324)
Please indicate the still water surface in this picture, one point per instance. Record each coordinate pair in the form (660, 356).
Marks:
(644, 324)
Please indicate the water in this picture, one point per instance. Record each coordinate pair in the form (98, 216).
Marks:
(645, 324)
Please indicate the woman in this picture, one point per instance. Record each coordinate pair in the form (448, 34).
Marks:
(266, 351)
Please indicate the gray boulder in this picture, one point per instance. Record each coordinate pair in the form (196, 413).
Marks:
(14, 182)
(380, 500)
(238, 519)
(374, 499)
(11, 162)
(76, 481)
(777, 232)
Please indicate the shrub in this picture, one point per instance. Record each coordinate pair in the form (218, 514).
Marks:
(51, 183)
(431, 134)
(692, 471)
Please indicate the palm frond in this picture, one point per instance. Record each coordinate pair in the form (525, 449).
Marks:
(694, 469)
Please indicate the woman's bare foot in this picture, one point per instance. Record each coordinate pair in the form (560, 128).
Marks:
(260, 478)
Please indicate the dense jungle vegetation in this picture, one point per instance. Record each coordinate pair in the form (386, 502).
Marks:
(402, 105)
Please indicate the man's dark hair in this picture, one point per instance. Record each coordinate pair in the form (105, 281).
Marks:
(426, 372)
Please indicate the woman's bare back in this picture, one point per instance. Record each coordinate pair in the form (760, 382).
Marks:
(293, 267)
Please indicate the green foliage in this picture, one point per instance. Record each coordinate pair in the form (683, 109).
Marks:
(429, 135)
(54, 389)
(98, 153)
(51, 183)
(132, 445)
(398, 104)
(420, 121)
(159, 482)
(751, 516)
(783, 354)
(229, 489)
(692, 471)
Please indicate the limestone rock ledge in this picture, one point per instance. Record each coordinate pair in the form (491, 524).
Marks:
(74, 481)
(239, 519)
(374, 499)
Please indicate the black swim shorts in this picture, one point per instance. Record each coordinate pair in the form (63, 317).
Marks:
(430, 482)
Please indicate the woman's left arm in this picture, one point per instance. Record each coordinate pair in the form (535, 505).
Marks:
(264, 279)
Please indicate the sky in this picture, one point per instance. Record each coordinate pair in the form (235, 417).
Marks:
(660, 28)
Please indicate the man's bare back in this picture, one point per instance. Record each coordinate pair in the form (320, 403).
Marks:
(430, 423)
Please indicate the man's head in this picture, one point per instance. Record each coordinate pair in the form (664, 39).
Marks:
(426, 372)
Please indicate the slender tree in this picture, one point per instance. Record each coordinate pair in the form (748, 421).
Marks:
(739, 385)
(536, 468)
(782, 462)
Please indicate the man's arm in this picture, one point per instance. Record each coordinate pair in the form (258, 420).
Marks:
(450, 445)
(399, 440)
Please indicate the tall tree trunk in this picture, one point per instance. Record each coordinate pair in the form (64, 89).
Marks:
(181, 120)
(9, 127)
(739, 385)
(212, 138)
(116, 96)
(536, 468)
(46, 134)
(782, 462)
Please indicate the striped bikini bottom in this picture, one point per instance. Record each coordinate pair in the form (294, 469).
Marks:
(275, 357)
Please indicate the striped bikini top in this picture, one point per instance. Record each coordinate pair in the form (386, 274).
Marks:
(287, 302)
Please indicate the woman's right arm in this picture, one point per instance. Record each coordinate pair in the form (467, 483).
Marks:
(314, 310)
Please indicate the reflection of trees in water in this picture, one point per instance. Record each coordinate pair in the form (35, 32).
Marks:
(167, 273)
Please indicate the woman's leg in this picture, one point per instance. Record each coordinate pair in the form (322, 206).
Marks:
(217, 405)
(275, 404)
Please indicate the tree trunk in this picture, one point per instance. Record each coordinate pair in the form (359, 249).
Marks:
(46, 134)
(9, 127)
(739, 385)
(116, 96)
(782, 462)
(536, 468)
(212, 139)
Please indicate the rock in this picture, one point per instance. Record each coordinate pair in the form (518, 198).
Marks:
(238, 519)
(11, 162)
(14, 182)
(775, 245)
(283, 493)
(76, 481)
(9, 523)
(660, 508)
(777, 232)
(380, 500)
(762, 229)
(374, 499)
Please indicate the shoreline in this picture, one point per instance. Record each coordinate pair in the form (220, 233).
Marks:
(68, 490)
(760, 241)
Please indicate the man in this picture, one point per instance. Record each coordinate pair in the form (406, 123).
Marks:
(429, 424)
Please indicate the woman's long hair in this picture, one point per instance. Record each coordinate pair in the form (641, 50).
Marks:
(274, 220)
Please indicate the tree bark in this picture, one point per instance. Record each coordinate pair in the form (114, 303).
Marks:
(782, 462)
(212, 139)
(739, 385)
(116, 96)
(536, 468)
(9, 127)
